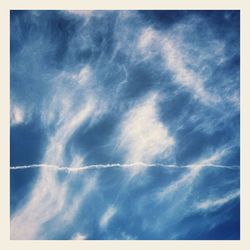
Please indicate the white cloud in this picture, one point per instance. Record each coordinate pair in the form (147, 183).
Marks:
(213, 158)
(73, 207)
(79, 236)
(106, 217)
(186, 77)
(44, 202)
(87, 14)
(81, 12)
(78, 161)
(61, 103)
(17, 115)
(47, 199)
(215, 203)
(142, 135)
(149, 43)
(83, 76)
(194, 171)
(172, 50)
(54, 153)
(146, 38)
(48, 196)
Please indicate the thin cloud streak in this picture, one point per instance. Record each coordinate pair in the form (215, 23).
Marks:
(107, 216)
(73, 169)
(215, 203)
(193, 172)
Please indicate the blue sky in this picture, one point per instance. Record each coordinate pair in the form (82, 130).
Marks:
(125, 125)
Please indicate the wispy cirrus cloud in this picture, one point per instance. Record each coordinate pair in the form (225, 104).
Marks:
(131, 109)
(43, 201)
(214, 203)
(107, 216)
(193, 173)
(176, 58)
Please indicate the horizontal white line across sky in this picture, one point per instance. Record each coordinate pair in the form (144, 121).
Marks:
(115, 165)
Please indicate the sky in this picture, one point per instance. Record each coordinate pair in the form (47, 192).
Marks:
(125, 125)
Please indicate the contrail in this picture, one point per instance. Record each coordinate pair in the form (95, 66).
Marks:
(116, 165)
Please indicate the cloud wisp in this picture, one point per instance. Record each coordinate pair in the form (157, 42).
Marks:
(107, 216)
(215, 203)
(43, 203)
(192, 173)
